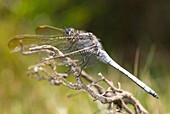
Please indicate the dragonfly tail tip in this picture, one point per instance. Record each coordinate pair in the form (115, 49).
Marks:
(155, 95)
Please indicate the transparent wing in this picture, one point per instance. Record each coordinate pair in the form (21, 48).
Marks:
(85, 59)
(33, 40)
(48, 35)
(84, 56)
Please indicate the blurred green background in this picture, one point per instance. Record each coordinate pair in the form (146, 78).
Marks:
(126, 28)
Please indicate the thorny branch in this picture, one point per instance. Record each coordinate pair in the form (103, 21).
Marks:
(116, 98)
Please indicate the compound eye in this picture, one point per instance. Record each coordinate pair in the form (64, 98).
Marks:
(69, 31)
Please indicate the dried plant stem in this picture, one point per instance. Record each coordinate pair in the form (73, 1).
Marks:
(116, 98)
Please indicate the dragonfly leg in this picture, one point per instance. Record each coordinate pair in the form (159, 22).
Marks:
(86, 58)
(85, 62)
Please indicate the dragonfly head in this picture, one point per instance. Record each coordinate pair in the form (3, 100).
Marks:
(70, 31)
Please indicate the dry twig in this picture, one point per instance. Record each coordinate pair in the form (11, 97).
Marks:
(116, 98)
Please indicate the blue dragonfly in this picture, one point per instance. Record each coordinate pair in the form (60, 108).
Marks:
(82, 45)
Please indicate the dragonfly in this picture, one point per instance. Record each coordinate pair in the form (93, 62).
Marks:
(77, 43)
